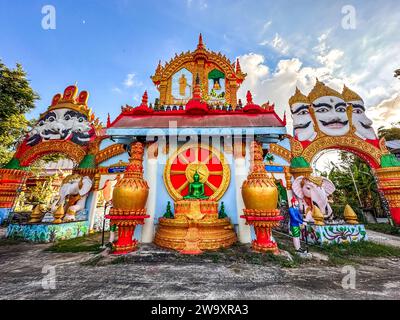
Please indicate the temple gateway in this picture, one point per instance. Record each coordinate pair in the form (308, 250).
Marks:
(197, 169)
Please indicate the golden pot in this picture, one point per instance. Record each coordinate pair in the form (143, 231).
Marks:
(130, 194)
(260, 194)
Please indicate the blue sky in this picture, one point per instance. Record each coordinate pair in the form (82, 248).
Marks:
(112, 47)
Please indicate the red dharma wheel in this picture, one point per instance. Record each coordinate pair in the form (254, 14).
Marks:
(208, 162)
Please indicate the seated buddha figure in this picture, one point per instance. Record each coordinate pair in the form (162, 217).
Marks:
(196, 189)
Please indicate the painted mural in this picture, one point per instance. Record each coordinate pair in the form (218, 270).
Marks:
(47, 232)
(334, 234)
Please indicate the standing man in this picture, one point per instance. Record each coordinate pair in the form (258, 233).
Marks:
(296, 220)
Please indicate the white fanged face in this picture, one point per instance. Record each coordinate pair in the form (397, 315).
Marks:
(331, 115)
(302, 122)
(361, 122)
(61, 124)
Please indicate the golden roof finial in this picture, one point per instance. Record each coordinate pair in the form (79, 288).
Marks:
(350, 95)
(238, 68)
(321, 90)
(200, 45)
(298, 97)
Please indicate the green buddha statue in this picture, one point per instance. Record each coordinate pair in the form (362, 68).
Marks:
(196, 189)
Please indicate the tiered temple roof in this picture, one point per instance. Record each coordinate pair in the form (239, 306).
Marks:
(197, 113)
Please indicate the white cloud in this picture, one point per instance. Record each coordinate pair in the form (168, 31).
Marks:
(116, 90)
(130, 81)
(277, 43)
(386, 112)
(200, 4)
(333, 65)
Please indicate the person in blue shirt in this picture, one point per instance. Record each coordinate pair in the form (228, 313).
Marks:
(296, 220)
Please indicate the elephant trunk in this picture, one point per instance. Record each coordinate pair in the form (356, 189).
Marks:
(320, 199)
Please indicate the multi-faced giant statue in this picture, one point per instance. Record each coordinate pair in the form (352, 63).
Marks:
(66, 119)
(330, 110)
(303, 125)
(62, 124)
(360, 121)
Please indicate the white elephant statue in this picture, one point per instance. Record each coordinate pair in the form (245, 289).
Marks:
(72, 196)
(314, 191)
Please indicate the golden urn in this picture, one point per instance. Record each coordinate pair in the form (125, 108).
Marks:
(131, 192)
(259, 191)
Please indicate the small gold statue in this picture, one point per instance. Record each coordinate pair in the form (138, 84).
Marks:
(349, 215)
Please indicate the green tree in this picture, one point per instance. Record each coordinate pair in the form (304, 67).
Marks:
(360, 193)
(16, 98)
(392, 133)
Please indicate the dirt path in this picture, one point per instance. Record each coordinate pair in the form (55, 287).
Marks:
(383, 238)
(151, 273)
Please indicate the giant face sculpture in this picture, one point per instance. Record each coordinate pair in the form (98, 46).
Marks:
(361, 122)
(62, 124)
(331, 115)
(303, 123)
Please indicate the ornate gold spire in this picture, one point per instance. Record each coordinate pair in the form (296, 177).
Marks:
(350, 95)
(200, 45)
(298, 97)
(321, 90)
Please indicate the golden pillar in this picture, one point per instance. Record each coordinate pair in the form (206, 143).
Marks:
(10, 181)
(389, 184)
(260, 196)
(129, 201)
(233, 88)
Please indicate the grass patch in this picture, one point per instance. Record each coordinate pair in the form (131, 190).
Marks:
(120, 260)
(347, 253)
(92, 262)
(244, 254)
(384, 228)
(89, 243)
(9, 242)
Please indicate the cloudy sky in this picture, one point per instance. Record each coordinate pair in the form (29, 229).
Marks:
(112, 47)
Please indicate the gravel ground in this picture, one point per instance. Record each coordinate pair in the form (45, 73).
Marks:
(154, 273)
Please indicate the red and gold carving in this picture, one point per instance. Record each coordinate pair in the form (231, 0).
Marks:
(209, 163)
(389, 184)
(109, 152)
(260, 196)
(129, 201)
(68, 148)
(10, 181)
(201, 61)
(280, 151)
(195, 219)
(352, 143)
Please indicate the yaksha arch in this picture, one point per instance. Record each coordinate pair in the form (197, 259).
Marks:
(219, 77)
(328, 119)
